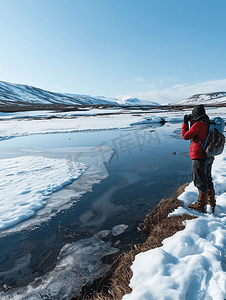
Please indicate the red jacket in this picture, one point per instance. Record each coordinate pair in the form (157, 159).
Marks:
(198, 129)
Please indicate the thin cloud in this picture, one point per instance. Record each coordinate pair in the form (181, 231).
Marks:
(178, 92)
(179, 85)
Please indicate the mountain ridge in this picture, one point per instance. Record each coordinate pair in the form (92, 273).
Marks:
(19, 94)
(138, 102)
(205, 98)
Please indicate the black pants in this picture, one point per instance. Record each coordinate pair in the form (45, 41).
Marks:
(201, 171)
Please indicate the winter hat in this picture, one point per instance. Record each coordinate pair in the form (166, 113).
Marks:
(198, 111)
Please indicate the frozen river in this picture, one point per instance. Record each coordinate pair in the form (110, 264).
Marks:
(112, 179)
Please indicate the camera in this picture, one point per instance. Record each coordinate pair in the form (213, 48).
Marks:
(190, 117)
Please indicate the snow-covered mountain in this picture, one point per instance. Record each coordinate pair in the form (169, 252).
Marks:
(18, 94)
(209, 98)
(138, 102)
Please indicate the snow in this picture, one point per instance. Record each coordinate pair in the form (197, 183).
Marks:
(32, 182)
(51, 114)
(149, 120)
(16, 94)
(22, 127)
(27, 182)
(39, 122)
(210, 98)
(138, 102)
(191, 264)
(43, 122)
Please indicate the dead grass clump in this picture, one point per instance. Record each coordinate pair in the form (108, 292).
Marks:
(157, 227)
(161, 211)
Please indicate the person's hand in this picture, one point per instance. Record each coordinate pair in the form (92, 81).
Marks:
(186, 118)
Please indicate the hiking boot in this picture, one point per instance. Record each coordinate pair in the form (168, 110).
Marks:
(201, 202)
(211, 200)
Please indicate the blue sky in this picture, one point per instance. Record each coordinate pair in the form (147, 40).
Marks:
(160, 50)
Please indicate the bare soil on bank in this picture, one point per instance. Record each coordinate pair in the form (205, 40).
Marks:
(157, 226)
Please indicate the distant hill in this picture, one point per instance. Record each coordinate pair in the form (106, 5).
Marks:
(18, 96)
(25, 95)
(138, 102)
(209, 98)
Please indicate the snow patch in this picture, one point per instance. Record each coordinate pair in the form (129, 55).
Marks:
(138, 102)
(27, 182)
(39, 180)
(149, 120)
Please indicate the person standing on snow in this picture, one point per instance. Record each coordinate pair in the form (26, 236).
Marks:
(201, 164)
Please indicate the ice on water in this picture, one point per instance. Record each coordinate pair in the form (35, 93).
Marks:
(32, 186)
(26, 182)
(78, 264)
(32, 182)
(118, 229)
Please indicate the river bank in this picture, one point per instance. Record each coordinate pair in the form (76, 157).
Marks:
(157, 226)
(183, 256)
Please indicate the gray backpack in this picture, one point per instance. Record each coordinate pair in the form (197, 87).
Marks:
(214, 144)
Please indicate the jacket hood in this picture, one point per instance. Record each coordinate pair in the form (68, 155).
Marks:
(198, 111)
(201, 118)
(199, 114)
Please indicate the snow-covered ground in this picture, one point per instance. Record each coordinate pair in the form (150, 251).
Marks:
(50, 114)
(192, 263)
(22, 124)
(21, 127)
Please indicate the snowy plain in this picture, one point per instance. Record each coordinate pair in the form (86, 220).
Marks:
(23, 124)
(194, 269)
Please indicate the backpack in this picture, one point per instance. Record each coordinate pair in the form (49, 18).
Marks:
(214, 144)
